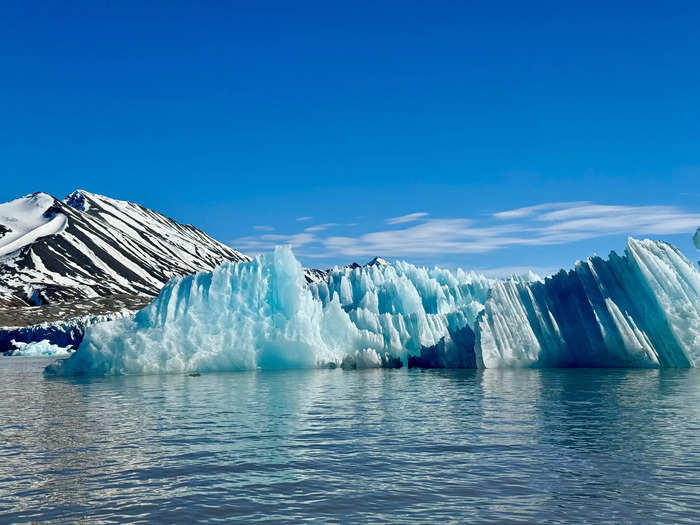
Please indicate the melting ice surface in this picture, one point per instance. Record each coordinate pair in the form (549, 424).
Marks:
(637, 310)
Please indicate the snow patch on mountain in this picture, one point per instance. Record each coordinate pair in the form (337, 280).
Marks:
(26, 219)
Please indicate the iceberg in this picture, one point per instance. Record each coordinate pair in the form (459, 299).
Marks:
(263, 315)
(641, 309)
(38, 349)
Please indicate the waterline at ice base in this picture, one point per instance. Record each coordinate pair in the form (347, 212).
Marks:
(641, 309)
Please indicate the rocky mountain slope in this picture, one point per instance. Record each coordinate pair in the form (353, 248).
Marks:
(88, 246)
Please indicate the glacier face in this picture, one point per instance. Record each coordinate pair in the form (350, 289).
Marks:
(641, 310)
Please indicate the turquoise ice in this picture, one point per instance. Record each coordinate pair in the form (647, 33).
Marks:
(641, 309)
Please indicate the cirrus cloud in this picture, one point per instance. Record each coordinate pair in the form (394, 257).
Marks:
(537, 225)
(411, 217)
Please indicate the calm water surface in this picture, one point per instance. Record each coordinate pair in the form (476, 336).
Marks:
(362, 446)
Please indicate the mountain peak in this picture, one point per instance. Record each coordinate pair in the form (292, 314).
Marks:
(378, 261)
(77, 200)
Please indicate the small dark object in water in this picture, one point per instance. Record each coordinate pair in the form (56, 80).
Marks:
(194, 374)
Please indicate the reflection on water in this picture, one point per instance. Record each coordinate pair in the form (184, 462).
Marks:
(373, 445)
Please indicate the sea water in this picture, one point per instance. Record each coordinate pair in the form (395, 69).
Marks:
(375, 445)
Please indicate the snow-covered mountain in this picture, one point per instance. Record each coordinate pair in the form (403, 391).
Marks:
(89, 246)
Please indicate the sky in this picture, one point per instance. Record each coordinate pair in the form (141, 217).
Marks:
(489, 135)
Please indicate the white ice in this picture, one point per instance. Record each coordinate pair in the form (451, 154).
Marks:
(39, 348)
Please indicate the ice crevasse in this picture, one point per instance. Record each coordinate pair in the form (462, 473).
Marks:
(641, 309)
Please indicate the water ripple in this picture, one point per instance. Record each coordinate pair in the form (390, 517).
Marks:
(398, 446)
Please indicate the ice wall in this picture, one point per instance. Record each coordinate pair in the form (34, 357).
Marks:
(638, 310)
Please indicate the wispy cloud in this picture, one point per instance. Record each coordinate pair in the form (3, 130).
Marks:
(538, 225)
(264, 228)
(411, 217)
(435, 236)
(320, 227)
(265, 243)
(605, 219)
(304, 219)
(528, 211)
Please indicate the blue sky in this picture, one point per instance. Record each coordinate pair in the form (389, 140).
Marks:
(403, 129)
